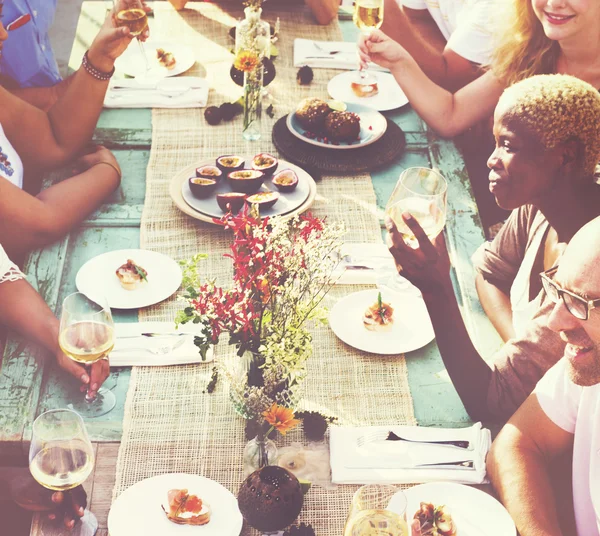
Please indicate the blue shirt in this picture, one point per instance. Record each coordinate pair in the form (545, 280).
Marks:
(27, 55)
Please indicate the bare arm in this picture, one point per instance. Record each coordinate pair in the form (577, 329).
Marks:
(47, 140)
(449, 114)
(324, 10)
(497, 306)
(518, 468)
(43, 97)
(28, 222)
(178, 4)
(419, 34)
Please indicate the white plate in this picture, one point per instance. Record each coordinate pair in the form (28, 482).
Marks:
(98, 275)
(287, 202)
(138, 509)
(390, 95)
(411, 329)
(372, 126)
(475, 512)
(131, 62)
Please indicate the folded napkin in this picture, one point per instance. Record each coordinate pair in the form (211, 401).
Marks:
(181, 92)
(393, 461)
(168, 347)
(363, 264)
(317, 54)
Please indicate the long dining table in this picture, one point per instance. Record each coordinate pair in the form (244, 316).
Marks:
(30, 382)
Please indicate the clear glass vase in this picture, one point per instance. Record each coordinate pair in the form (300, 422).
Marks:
(259, 452)
(253, 85)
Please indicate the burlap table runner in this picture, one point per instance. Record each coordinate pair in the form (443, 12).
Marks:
(171, 424)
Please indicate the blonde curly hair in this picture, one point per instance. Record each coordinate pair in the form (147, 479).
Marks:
(521, 49)
(558, 108)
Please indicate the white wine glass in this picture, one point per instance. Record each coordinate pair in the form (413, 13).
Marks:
(368, 16)
(377, 510)
(61, 458)
(86, 336)
(131, 13)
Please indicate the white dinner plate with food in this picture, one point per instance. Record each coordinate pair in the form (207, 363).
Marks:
(372, 126)
(138, 510)
(207, 209)
(99, 275)
(390, 95)
(474, 512)
(411, 328)
(131, 62)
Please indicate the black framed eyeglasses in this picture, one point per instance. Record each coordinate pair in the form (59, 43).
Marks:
(576, 305)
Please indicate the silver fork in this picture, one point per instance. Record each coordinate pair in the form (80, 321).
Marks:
(387, 435)
(324, 50)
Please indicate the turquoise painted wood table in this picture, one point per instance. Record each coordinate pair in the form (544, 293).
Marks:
(30, 383)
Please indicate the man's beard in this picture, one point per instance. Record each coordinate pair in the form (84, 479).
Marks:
(587, 372)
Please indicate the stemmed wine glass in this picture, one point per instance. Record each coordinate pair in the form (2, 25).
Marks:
(61, 458)
(131, 13)
(377, 510)
(368, 16)
(86, 336)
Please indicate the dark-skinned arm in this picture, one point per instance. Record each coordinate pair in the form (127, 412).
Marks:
(428, 268)
(43, 97)
(497, 306)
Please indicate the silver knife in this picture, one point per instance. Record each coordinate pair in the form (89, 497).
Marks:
(149, 334)
(467, 465)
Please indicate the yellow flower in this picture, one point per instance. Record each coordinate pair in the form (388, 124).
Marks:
(280, 418)
(246, 61)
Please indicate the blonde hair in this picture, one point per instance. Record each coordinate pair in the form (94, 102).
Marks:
(558, 108)
(522, 48)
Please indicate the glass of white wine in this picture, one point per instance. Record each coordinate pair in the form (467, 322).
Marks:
(368, 16)
(131, 13)
(61, 458)
(422, 192)
(377, 510)
(86, 336)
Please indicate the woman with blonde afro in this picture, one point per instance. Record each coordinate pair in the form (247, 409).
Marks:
(538, 37)
(547, 132)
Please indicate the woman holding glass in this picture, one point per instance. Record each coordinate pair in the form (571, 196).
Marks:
(547, 131)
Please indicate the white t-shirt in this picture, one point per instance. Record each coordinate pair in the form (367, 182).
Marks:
(9, 271)
(11, 166)
(576, 410)
(466, 25)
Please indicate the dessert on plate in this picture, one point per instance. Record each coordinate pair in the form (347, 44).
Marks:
(379, 316)
(184, 508)
(166, 59)
(435, 520)
(342, 126)
(131, 275)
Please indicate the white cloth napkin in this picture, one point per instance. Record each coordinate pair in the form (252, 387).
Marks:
(393, 461)
(306, 52)
(130, 344)
(362, 263)
(181, 92)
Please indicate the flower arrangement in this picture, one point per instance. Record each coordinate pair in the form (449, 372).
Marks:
(281, 273)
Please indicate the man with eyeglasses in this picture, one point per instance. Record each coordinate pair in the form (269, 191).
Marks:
(563, 412)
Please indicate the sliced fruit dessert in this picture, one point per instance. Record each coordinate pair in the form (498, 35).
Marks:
(209, 172)
(202, 187)
(266, 163)
(247, 181)
(264, 200)
(184, 508)
(231, 201)
(229, 163)
(131, 275)
(286, 180)
(379, 316)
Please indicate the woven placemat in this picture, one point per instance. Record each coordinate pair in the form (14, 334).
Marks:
(171, 424)
(335, 161)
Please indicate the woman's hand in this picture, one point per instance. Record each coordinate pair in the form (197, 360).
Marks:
(95, 155)
(91, 379)
(380, 49)
(28, 494)
(428, 266)
(109, 44)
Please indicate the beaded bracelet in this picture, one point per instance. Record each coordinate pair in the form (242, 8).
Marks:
(96, 73)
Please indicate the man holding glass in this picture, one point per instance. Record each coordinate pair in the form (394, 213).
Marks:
(562, 413)
(449, 39)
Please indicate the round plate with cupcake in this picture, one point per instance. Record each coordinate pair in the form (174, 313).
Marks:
(208, 190)
(335, 124)
(382, 321)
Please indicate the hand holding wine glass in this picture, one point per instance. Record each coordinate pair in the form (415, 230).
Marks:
(133, 15)
(61, 458)
(378, 48)
(368, 16)
(87, 336)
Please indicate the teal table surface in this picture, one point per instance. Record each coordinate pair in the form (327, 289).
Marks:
(30, 383)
